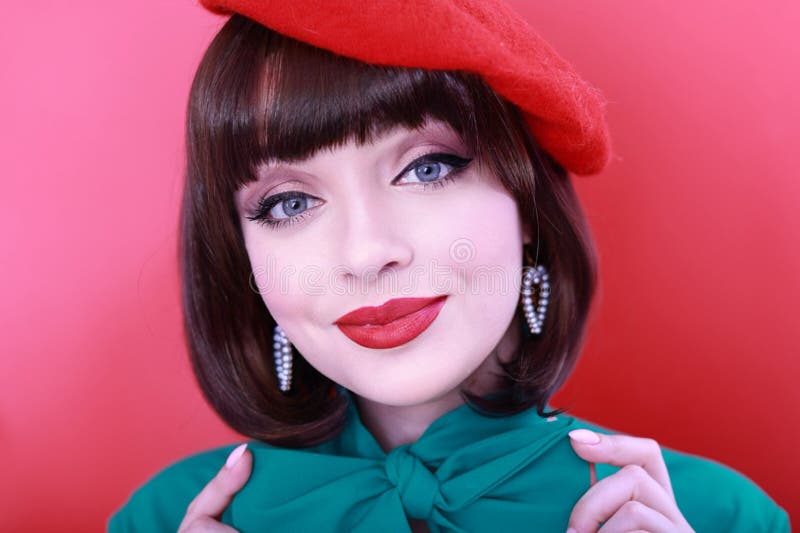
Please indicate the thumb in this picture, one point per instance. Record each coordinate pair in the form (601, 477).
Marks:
(217, 494)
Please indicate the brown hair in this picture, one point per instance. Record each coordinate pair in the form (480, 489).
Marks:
(258, 95)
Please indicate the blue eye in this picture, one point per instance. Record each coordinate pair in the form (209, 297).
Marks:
(428, 171)
(433, 169)
(292, 204)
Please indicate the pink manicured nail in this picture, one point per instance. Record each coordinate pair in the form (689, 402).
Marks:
(584, 436)
(572, 530)
(235, 455)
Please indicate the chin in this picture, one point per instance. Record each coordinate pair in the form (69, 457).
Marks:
(411, 390)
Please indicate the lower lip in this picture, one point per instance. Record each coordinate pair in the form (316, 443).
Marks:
(396, 332)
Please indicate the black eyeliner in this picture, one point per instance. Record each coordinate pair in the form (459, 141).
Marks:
(435, 157)
(266, 204)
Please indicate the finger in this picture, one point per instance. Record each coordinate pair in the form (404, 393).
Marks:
(635, 515)
(205, 524)
(605, 497)
(217, 494)
(621, 450)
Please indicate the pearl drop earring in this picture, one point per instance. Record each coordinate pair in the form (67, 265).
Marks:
(534, 315)
(283, 359)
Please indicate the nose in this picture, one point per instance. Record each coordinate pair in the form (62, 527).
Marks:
(371, 239)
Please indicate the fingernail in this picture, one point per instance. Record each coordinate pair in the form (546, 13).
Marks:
(584, 436)
(572, 529)
(235, 455)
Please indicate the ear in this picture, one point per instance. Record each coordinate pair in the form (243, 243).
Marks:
(526, 234)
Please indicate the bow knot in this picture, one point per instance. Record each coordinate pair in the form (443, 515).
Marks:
(418, 486)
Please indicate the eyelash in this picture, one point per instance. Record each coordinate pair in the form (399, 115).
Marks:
(266, 204)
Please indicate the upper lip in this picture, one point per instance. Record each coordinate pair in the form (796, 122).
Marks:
(389, 311)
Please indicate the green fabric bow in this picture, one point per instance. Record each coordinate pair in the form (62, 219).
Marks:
(486, 473)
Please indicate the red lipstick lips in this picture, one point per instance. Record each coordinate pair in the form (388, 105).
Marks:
(396, 322)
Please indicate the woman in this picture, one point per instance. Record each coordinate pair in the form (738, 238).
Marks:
(385, 269)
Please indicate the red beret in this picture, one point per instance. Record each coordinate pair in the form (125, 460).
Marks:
(565, 114)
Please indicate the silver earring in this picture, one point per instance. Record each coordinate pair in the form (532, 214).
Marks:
(283, 359)
(534, 315)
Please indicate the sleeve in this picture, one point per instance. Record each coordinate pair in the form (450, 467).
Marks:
(160, 503)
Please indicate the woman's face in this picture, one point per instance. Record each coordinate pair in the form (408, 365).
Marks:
(409, 215)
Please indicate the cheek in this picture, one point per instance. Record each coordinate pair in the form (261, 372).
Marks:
(493, 275)
(477, 249)
(487, 233)
(279, 282)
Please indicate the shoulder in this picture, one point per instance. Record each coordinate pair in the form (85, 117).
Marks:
(711, 495)
(160, 503)
(716, 497)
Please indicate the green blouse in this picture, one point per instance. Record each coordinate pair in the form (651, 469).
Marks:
(513, 473)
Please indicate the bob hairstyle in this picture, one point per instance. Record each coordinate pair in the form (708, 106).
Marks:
(257, 96)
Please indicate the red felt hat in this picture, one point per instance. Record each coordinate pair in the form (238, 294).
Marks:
(565, 114)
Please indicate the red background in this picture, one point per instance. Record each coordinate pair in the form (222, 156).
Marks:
(695, 337)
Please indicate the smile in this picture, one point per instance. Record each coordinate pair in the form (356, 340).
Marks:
(394, 323)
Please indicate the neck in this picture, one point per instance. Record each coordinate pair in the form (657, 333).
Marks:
(393, 426)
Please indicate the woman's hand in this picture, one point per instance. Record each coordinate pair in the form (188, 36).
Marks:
(636, 498)
(204, 511)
